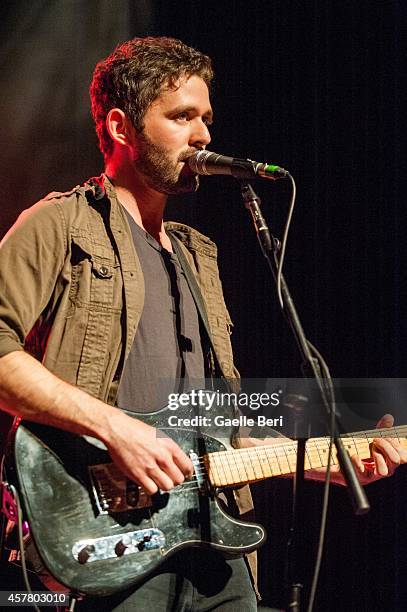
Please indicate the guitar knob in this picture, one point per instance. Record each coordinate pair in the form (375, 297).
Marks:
(122, 545)
(85, 553)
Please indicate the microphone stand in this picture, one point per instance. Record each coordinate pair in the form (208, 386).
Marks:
(311, 368)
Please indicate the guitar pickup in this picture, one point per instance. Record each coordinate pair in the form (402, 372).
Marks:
(113, 492)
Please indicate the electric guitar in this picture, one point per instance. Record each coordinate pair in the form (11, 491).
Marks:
(97, 532)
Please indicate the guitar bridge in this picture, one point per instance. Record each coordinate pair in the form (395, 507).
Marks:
(202, 482)
(113, 492)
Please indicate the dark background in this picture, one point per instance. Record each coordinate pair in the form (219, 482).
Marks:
(317, 87)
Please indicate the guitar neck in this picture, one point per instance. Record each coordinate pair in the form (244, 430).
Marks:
(256, 463)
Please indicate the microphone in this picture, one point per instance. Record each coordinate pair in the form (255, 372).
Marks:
(206, 162)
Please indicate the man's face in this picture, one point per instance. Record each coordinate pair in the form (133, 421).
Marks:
(175, 126)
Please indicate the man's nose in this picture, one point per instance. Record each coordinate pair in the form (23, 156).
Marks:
(200, 136)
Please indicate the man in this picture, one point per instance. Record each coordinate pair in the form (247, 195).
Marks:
(92, 288)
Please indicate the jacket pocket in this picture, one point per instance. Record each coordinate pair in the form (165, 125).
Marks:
(93, 272)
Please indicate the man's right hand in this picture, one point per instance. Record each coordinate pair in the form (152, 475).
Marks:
(30, 391)
(145, 455)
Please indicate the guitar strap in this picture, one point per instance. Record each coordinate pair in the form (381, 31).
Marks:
(199, 302)
(226, 496)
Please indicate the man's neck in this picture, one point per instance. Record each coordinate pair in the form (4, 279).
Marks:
(143, 203)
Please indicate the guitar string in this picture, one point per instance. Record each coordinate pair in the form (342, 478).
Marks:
(253, 453)
(359, 445)
(239, 456)
(248, 454)
(289, 446)
(191, 483)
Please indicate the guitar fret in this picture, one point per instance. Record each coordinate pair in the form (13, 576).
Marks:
(278, 462)
(263, 462)
(212, 469)
(291, 459)
(225, 463)
(219, 465)
(250, 464)
(228, 468)
(282, 460)
(240, 465)
(250, 468)
(265, 459)
(354, 444)
(256, 466)
(252, 455)
(312, 459)
(273, 461)
(317, 446)
(324, 448)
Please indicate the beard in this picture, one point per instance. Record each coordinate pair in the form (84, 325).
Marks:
(161, 172)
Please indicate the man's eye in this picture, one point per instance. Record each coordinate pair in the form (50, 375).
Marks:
(183, 117)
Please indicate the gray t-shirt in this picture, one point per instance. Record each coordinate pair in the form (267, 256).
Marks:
(166, 356)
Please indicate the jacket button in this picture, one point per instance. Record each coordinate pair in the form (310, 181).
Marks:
(103, 271)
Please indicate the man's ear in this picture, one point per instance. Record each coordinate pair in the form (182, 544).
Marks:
(120, 128)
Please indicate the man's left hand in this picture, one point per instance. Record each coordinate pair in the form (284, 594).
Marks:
(386, 455)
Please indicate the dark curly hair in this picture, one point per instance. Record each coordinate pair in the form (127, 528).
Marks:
(133, 76)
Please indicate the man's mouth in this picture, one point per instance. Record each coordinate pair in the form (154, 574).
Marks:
(186, 170)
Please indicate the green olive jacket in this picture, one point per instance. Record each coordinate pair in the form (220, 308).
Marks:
(72, 289)
(69, 270)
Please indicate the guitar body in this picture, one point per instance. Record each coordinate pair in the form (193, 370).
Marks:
(97, 532)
